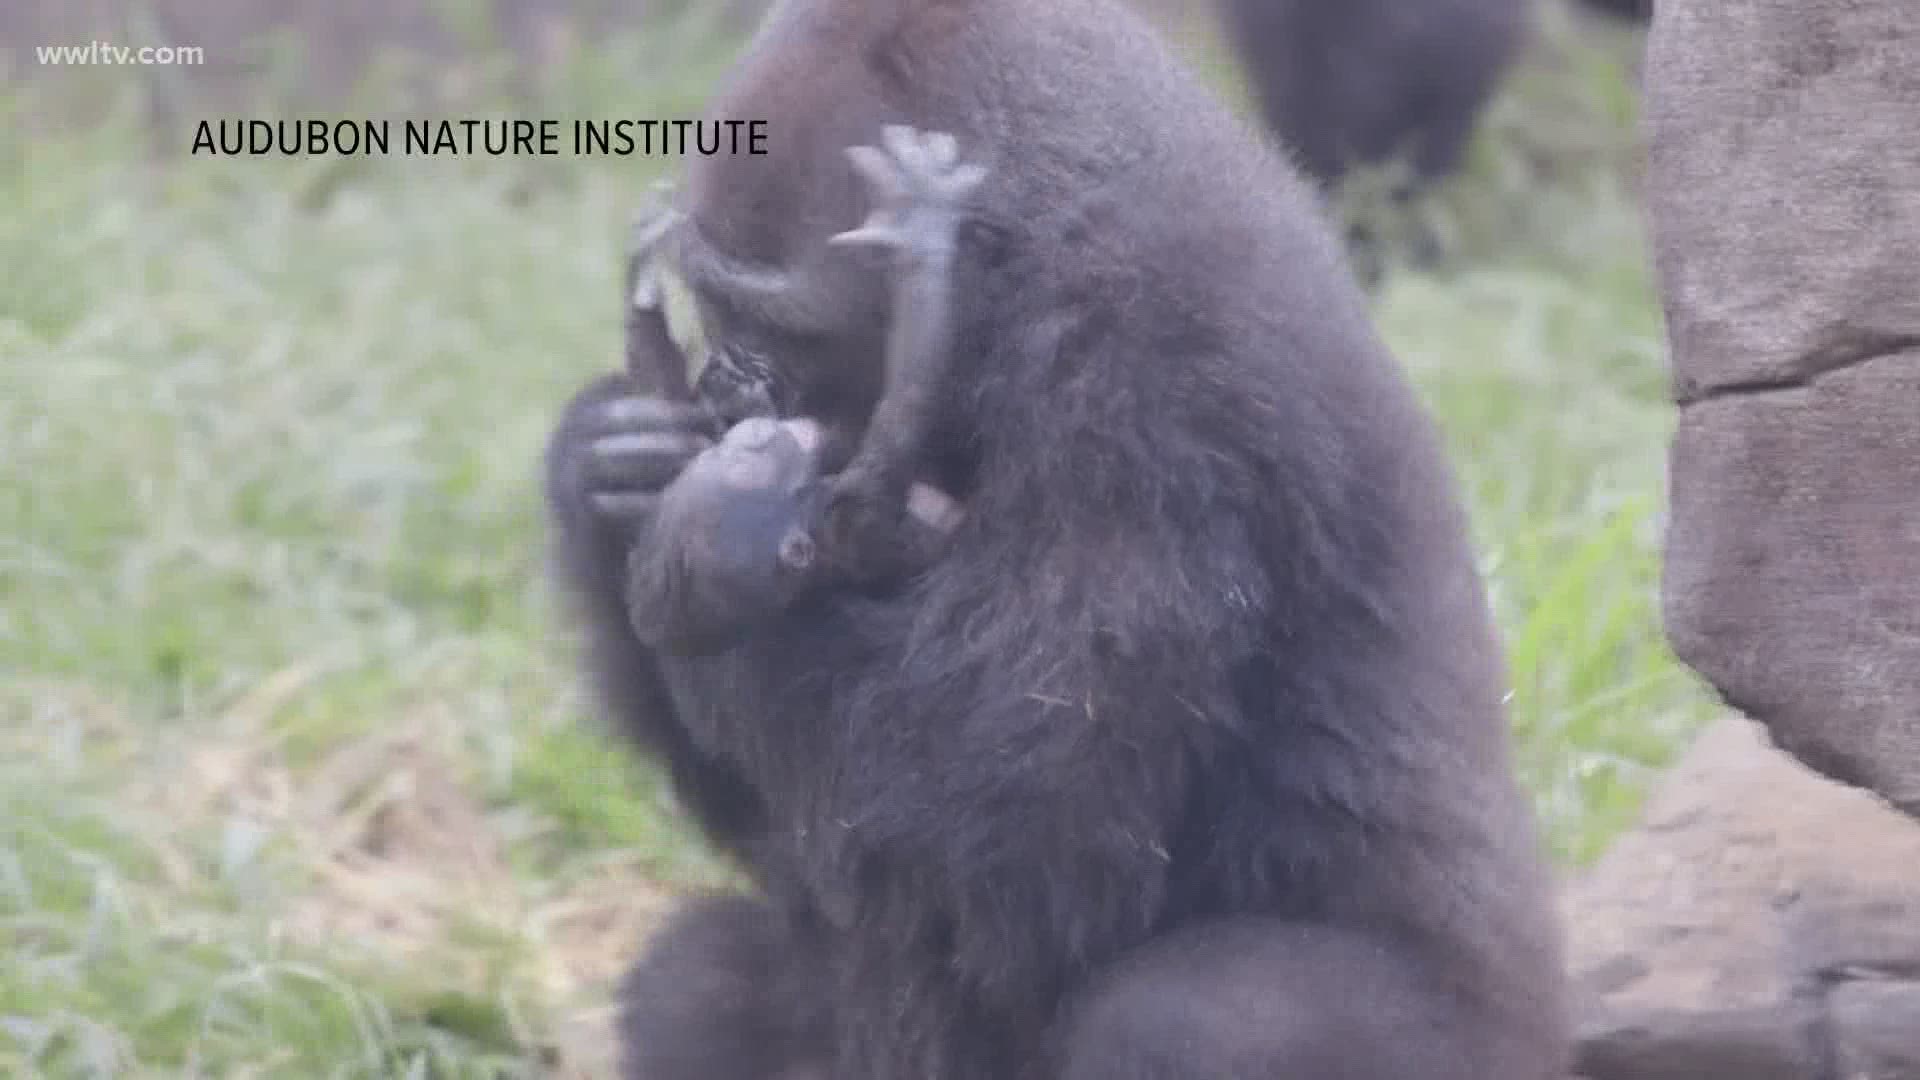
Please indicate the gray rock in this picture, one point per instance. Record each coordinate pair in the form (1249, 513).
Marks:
(1784, 194)
(1728, 1044)
(1728, 935)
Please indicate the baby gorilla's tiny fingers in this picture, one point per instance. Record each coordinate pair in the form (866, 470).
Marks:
(903, 140)
(918, 187)
(880, 171)
(940, 149)
(959, 183)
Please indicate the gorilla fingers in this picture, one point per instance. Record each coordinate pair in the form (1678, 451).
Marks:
(616, 449)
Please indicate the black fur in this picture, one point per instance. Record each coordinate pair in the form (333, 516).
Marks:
(1346, 83)
(1188, 757)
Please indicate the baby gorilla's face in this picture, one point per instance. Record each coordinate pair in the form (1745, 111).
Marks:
(744, 514)
(776, 461)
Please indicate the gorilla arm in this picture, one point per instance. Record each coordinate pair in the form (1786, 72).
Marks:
(618, 444)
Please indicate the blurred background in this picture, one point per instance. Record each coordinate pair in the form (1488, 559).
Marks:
(295, 776)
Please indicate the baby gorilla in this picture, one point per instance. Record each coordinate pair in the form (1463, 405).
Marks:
(754, 523)
(755, 499)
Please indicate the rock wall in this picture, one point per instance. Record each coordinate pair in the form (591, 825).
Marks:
(1784, 196)
(1763, 923)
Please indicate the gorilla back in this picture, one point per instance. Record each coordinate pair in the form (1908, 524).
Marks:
(1346, 83)
(1187, 758)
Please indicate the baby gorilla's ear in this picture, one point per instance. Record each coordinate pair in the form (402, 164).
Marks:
(797, 550)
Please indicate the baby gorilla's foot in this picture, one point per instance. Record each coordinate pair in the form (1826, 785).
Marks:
(921, 189)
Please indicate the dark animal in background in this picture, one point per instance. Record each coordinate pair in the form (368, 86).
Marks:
(1346, 84)
(1183, 755)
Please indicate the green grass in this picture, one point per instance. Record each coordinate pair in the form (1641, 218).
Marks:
(277, 661)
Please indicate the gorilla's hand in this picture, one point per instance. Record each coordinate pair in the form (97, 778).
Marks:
(615, 451)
